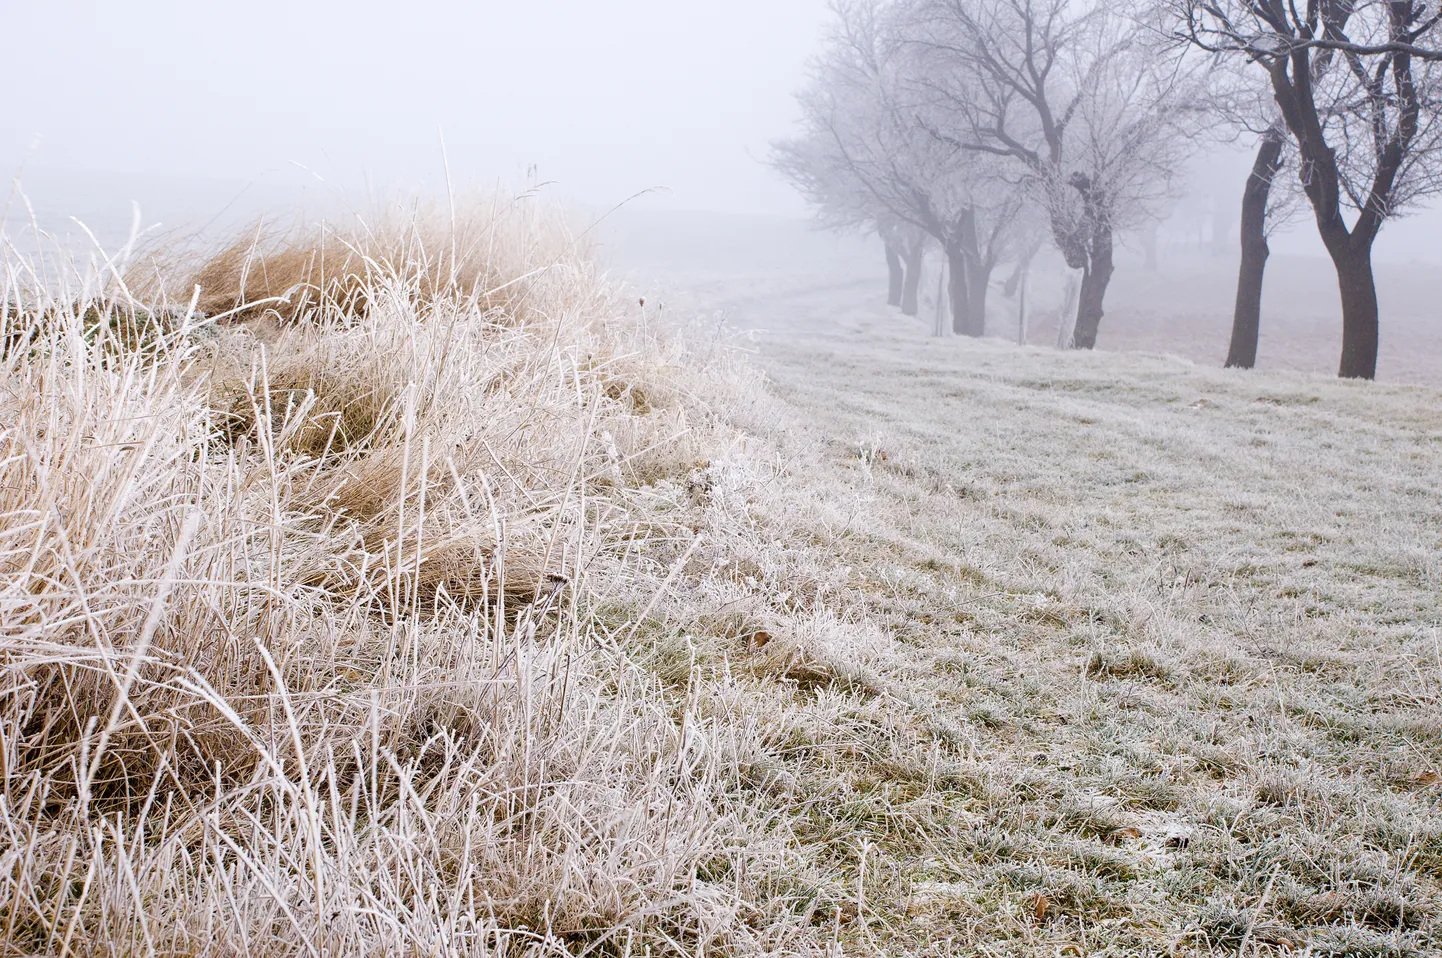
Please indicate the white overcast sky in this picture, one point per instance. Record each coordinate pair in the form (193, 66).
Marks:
(607, 98)
(181, 104)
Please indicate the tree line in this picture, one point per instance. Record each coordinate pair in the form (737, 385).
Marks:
(995, 127)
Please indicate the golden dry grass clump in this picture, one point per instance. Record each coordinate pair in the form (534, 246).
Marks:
(298, 642)
(428, 255)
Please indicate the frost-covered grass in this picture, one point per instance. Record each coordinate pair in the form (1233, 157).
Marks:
(1160, 646)
(470, 609)
(325, 633)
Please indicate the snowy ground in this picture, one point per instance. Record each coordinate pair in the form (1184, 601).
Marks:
(1150, 649)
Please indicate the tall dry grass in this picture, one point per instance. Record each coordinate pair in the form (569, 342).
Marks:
(432, 256)
(301, 649)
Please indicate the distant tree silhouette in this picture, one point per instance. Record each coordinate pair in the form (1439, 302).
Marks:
(1366, 129)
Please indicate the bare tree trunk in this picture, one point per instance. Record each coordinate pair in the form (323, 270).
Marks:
(960, 295)
(1090, 249)
(1066, 321)
(968, 296)
(1095, 279)
(940, 325)
(911, 291)
(1021, 307)
(978, 283)
(1247, 318)
(897, 273)
(1360, 332)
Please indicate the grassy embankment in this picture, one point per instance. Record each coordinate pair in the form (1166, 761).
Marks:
(451, 606)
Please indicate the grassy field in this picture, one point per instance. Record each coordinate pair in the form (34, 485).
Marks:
(479, 608)
(1155, 657)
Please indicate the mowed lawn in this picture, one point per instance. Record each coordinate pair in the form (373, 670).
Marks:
(1135, 656)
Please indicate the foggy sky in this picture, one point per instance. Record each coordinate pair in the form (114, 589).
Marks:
(182, 104)
(607, 98)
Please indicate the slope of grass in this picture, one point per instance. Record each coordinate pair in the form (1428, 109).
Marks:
(445, 602)
(327, 632)
(1162, 667)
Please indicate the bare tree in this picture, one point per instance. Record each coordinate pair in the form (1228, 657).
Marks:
(889, 231)
(911, 243)
(1366, 133)
(1077, 96)
(896, 273)
(1244, 108)
(822, 174)
(975, 210)
(1256, 196)
(862, 114)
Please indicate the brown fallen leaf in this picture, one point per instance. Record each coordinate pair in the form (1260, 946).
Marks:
(758, 639)
(1128, 833)
(1040, 907)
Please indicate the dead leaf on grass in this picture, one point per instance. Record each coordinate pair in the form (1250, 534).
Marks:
(1040, 907)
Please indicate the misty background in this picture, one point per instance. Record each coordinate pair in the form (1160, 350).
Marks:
(607, 99)
(211, 116)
